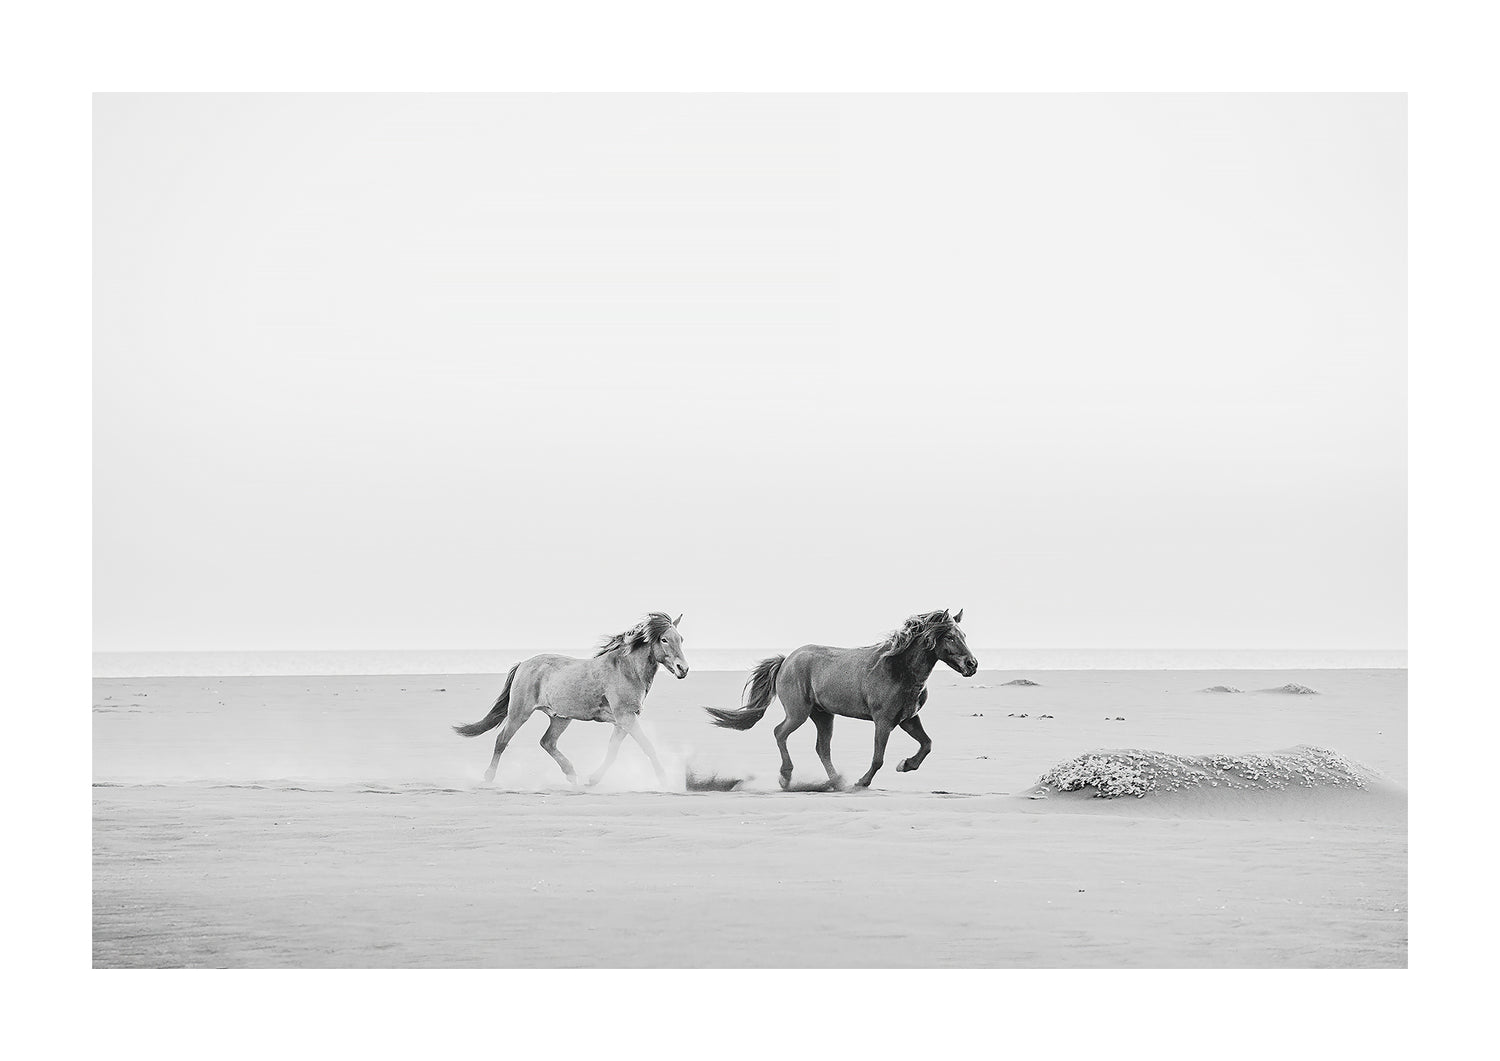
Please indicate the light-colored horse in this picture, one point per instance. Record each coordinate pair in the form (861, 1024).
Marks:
(611, 687)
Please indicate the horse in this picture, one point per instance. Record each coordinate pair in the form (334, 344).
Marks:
(611, 687)
(884, 683)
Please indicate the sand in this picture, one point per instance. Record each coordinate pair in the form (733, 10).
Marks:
(338, 822)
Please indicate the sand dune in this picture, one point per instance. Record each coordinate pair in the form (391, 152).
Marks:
(1133, 772)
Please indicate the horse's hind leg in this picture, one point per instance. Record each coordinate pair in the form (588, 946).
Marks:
(796, 714)
(513, 723)
(824, 722)
(913, 728)
(549, 742)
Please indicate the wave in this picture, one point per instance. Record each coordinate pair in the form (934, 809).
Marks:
(1221, 689)
(1294, 689)
(1115, 773)
(1020, 681)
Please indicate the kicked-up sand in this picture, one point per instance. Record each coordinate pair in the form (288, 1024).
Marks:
(297, 821)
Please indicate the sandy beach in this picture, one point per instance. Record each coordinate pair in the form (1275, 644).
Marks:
(300, 821)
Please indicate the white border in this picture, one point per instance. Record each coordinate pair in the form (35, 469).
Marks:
(1438, 52)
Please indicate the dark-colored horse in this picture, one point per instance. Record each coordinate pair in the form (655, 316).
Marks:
(611, 688)
(883, 683)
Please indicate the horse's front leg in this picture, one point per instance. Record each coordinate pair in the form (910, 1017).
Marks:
(615, 740)
(639, 733)
(883, 726)
(913, 727)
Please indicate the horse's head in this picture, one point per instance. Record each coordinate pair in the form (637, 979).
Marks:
(667, 650)
(952, 649)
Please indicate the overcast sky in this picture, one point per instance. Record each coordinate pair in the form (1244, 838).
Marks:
(463, 372)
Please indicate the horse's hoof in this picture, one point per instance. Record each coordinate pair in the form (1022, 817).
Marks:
(489, 776)
(786, 783)
(904, 766)
(837, 784)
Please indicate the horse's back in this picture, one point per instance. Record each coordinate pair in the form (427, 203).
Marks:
(544, 665)
(560, 685)
(827, 677)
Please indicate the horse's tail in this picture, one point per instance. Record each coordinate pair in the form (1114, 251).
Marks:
(762, 690)
(496, 715)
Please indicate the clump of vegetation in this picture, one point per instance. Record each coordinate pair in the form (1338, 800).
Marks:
(1110, 774)
(1132, 772)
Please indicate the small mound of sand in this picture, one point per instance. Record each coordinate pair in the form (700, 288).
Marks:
(1221, 689)
(1133, 772)
(708, 781)
(1293, 688)
(1020, 681)
(712, 782)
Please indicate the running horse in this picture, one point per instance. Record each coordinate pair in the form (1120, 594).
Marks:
(611, 687)
(883, 683)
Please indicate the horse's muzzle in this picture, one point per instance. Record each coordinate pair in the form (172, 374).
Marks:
(972, 668)
(681, 672)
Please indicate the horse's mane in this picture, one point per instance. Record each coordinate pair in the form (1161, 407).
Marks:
(926, 627)
(644, 632)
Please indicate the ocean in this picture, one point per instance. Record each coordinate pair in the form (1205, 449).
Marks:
(499, 660)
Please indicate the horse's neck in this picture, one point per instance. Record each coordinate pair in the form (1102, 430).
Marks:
(640, 666)
(914, 666)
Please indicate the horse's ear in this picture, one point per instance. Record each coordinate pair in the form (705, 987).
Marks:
(677, 621)
(959, 617)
